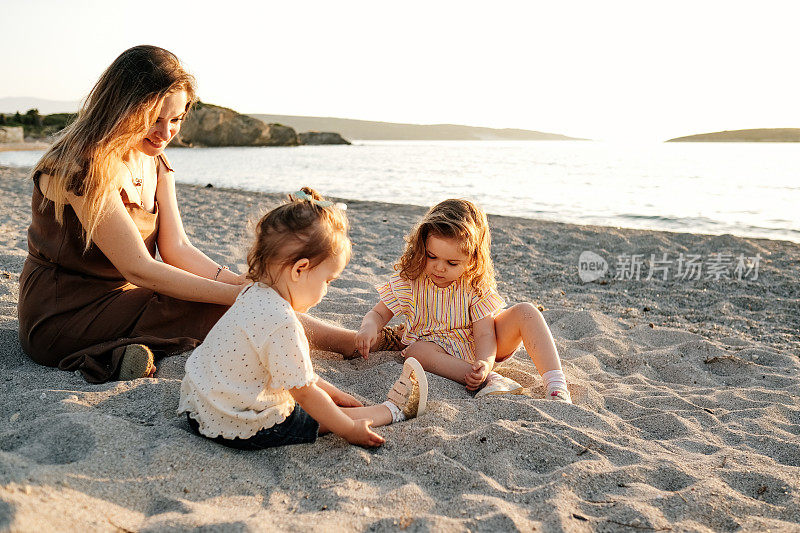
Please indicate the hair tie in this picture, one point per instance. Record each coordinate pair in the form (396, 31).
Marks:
(302, 195)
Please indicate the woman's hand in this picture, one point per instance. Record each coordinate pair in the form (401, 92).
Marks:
(241, 284)
(480, 371)
(232, 278)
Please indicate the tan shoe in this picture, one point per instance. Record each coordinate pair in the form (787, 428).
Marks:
(137, 362)
(410, 391)
(498, 384)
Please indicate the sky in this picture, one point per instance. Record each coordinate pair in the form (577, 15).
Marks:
(606, 70)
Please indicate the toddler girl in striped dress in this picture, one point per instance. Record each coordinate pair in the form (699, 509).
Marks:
(456, 323)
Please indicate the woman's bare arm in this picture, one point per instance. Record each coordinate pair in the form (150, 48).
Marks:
(119, 239)
(173, 243)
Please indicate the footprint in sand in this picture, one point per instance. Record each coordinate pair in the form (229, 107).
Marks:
(661, 426)
(161, 504)
(51, 441)
(758, 486)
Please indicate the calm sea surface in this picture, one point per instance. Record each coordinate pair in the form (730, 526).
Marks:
(748, 189)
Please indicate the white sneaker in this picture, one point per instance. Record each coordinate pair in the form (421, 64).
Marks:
(560, 395)
(410, 391)
(497, 384)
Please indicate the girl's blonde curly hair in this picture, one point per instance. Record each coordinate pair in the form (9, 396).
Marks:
(306, 226)
(462, 221)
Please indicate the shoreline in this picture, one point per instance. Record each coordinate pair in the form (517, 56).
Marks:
(745, 235)
(687, 407)
(608, 241)
(594, 227)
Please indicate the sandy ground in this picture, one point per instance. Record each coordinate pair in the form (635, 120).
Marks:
(27, 145)
(686, 415)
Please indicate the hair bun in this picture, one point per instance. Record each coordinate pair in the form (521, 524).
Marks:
(307, 194)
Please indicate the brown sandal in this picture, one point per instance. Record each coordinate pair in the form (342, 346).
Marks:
(137, 362)
(389, 340)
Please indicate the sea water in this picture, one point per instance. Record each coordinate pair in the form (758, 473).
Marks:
(747, 189)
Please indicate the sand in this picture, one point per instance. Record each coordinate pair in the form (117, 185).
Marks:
(27, 145)
(686, 415)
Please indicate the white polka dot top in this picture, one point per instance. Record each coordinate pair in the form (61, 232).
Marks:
(237, 382)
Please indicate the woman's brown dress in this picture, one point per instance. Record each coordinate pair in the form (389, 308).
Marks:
(77, 312)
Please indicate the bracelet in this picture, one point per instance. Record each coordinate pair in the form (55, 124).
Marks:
(220, 269)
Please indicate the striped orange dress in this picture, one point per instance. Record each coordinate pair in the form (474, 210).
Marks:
(440, 315)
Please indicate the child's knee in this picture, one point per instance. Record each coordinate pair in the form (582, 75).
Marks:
(527, 311)
(410, 350)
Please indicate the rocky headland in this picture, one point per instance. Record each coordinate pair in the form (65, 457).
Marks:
(211, 125)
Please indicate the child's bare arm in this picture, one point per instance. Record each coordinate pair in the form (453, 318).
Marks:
(378, 316)
(339, 397)
(316, 402)
(485, 352)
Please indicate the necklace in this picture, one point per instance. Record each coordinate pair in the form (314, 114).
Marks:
(138, 183)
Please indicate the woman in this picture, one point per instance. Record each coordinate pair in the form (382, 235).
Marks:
(93, 297)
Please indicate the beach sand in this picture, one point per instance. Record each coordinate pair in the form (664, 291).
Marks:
(27, 145)
(686, 415)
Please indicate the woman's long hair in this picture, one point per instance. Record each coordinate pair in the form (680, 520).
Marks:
(115, 116)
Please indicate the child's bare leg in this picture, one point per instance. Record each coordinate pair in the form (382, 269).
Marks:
(524, 323)
(435, 360)
(379, 414)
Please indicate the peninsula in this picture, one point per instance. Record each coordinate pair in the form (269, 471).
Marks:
(773, 135)
(393, 131)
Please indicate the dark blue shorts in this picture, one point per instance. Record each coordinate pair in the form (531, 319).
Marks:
(298, 428)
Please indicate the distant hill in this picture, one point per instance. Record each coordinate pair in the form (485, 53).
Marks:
(767, 135)
(392, 131)
(348, 128)
(45, 107)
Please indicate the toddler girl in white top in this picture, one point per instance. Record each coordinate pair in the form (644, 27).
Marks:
(455, 322)
(243, 384)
